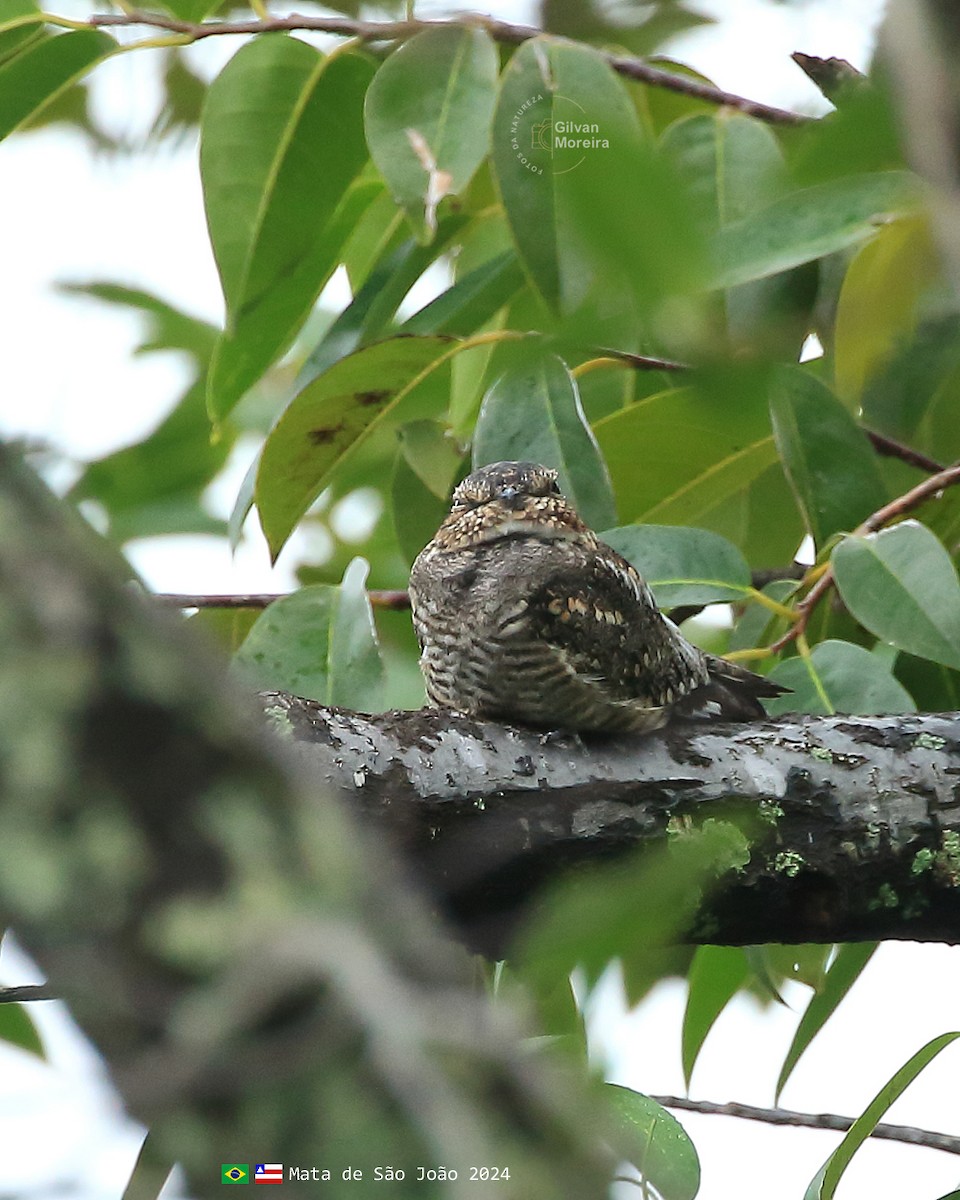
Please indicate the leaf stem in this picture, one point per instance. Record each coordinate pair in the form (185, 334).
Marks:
(768, 602)
(58, 21)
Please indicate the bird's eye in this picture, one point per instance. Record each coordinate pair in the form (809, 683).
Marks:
(554, 487)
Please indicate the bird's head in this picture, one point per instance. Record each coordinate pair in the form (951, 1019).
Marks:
(509, 499)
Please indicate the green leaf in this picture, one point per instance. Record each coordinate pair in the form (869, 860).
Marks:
(374, 306)
(810, 224)
(417, 512)
(901, 585)
(320, 642)
(155, 485)
(912, 398)
(194, 11)
(14, 41)
(428, 114)
(635, 909)
(563, 187)
(472, 300)
(168, 327)
(806, 964)
(839, 677)
(842, 974)
(150, 1172)
(683, 565)
(824, 1185)
(655, 1142)
(262, 331)
(878, 303)
(44, 69)
(663, 107)
(379, 231)
(226, 626)
(716, 975)
(773, 526)
(17, 1029)
(329, 419)
(757, 625)
(732, 164)
(281, 141)
(725, 444)
(243, 503)
(426, 468)
(533, 412)
(831, 465)
(14, 14)
(865, 134)
(21, 23)
(767, 979)
(934, 688)
(432, 454)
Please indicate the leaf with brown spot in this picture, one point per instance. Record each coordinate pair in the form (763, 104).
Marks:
(330, 418)
(320, 437)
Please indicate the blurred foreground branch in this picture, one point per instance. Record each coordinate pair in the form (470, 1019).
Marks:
(255, 973)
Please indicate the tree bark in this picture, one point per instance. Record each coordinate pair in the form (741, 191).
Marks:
(854, 822)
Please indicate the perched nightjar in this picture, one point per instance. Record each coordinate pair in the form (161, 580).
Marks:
(524, 616)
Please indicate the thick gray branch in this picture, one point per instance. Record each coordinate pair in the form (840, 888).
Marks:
(855, 821)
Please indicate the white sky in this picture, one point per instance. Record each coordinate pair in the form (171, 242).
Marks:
(72, 380)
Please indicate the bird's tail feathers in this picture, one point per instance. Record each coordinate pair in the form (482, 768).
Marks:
(733, 692)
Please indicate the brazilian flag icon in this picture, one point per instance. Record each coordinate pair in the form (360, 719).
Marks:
(234, 1173)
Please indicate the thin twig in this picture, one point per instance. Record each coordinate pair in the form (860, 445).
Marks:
(884, 445)
(896, 508)
(501, 31)
(785, 1116)
(18, 995)
(766, 575)
(398, 599)
(645, 362)
(892, 449)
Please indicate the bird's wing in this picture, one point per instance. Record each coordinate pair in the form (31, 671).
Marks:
(602, 618)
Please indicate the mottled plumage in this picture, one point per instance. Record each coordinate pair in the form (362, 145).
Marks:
(524, 615)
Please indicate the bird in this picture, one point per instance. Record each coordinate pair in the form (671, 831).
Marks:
(524, 616)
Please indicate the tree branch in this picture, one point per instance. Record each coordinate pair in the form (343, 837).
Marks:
(785, 1116)
(388, 599)
(19, 995)
(857, 819)
(892, 449)
(501, 31)
(392, 599)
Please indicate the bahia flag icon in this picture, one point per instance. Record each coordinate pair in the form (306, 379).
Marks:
(268, 1173)
(234, 1173)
